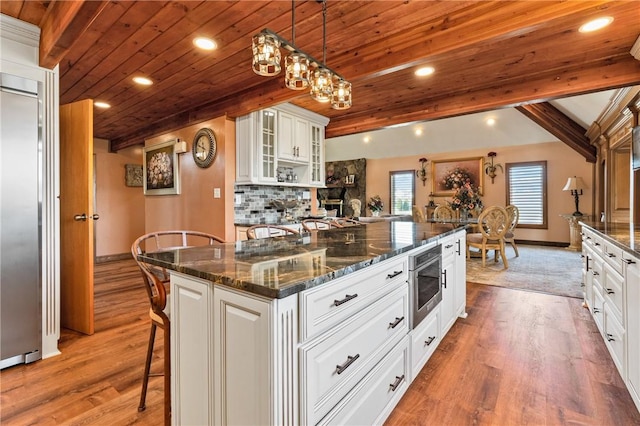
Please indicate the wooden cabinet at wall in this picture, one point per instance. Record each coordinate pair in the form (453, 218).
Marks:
(283, 138)
(612, 294)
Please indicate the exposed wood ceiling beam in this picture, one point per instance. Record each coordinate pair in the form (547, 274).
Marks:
(63, 23)
(564, 128)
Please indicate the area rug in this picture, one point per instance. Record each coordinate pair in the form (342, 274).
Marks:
(538, 268)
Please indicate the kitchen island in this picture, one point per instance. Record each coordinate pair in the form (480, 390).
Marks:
(309, 329)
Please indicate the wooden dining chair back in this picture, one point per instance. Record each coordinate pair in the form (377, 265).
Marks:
(310, 225)
(417, 214)
(345, 222)
(268, 231)
(444, 212)
(493, 224)
(514, 218)
(155, 278)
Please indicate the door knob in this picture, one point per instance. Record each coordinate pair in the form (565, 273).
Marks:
(95, 216)
(80, 217)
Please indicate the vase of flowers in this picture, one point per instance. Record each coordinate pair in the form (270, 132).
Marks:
(456, 178)
(376, 205)
(466, 198)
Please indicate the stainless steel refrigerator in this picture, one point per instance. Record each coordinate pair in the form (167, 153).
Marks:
(20, 220)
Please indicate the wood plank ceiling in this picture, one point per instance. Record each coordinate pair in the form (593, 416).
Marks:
(487, 55)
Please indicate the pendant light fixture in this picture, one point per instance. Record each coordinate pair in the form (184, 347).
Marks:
(301, 70)
(296, 64)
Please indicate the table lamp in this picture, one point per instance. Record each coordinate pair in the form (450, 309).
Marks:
(575, 185)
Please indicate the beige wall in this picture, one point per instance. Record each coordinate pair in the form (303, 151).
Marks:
(120, 207)
(196, 208)
(562, 162)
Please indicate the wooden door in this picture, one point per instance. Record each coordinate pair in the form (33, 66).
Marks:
(76, 216)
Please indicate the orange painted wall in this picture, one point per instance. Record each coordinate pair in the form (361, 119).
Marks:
(562, 162)
(196, 208)
(120, 207)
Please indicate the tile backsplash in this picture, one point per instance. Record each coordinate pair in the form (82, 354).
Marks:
(256, 204)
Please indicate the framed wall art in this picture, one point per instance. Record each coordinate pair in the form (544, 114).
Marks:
(161, 169)
(447, 175)
(133, 174)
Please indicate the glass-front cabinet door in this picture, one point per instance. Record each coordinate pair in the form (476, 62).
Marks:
(267, 147)
(317, 161)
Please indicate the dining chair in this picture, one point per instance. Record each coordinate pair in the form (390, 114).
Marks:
(345, 221)
(417, 214)
(310, 225)
(493, 224)
(444, 212)
(514, 218)
(155, 278)
(268, 231)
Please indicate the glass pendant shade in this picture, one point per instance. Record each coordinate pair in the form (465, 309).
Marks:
(341, 94)
(266, 54)
(297, 71)
(321, 85)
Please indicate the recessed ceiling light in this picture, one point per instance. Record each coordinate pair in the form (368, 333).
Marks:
(424, 71)
(491, 121)
(143, 81)
(596, 24)
(418, 132)
(366, 139)
(100, 104)
(204, 43)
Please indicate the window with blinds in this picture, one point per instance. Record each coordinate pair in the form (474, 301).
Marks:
(402, 191)
(527, 190)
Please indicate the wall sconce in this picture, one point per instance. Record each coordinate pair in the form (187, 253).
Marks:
(575, 185)
(489, 168)
(422, 173)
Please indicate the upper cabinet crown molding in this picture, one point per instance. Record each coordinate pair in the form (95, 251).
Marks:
(19, 31)
(613, 117)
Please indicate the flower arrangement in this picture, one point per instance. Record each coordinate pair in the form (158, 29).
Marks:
(456, 178)
(466, 197)
(375, 204)
(490, 168)
(422, 173)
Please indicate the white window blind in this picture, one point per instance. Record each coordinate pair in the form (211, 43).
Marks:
(402, 192)
(526, 189)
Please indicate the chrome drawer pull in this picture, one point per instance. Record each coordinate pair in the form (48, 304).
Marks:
(345, 300)
(395, 384)
(609, 291)
(595, 273)
(458, 249)
(596, 244)
(609, 254)
(581, 284)
(395, 274)
(444, 278)
(596, 310)
(610, 337)
(448, 246)
(429, 340)
(628, 261)
(348, 362)
(396, 322)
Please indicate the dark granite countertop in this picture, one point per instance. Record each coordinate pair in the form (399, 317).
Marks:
(280, 266)
(624, 235)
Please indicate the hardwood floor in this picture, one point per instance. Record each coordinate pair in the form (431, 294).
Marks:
(520, 358)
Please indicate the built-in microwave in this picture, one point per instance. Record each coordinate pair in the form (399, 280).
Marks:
(425, 272)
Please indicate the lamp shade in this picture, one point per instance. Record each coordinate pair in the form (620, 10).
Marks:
(574, 184)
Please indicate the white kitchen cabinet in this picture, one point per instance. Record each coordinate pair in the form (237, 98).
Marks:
(454, 283)
(632, 275)
(192, 357)
(284, 138)
(424, 340)
(612, 293)
(293, 138)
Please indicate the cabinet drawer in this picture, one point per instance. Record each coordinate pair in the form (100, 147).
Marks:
(424, 341)
(449, 246)
(334, 364)
(612, 290)
(614, 336)
(328, 305)
(613, 256)
(597, 272)
(371, 401)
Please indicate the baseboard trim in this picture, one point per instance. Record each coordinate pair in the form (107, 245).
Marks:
(112, 257)
(542, 243)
